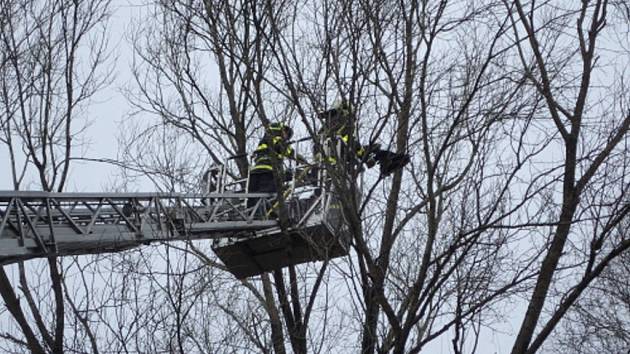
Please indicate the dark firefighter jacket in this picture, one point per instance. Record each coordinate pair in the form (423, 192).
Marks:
(271, 147)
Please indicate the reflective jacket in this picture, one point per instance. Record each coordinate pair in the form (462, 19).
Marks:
(271, 147)
(337, 143)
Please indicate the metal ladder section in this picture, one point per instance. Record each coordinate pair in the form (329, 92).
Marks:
(40, 224)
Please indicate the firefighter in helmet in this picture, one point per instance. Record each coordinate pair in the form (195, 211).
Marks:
(268, 171)
(338, 132)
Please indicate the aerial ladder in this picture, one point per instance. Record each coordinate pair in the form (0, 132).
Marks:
(246, 239)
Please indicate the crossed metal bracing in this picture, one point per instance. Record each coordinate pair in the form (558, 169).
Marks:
(39, 224)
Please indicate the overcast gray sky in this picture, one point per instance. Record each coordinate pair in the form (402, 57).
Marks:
(108, 108)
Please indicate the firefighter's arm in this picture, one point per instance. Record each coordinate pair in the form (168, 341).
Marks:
(300, 159)
(290, 153)
(367, 154)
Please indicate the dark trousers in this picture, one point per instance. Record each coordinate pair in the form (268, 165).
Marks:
(260, 182)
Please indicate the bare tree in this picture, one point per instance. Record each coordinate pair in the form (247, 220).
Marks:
(516, 121)
(482, 95)
(599, 321)
(48, 76)
(237, 36)
(566, 81)
(375, 57)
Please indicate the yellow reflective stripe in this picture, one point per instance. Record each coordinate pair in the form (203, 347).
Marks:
(361, 152)
(262, 147)
(276, 139)
(345, 138)
(262, 167)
